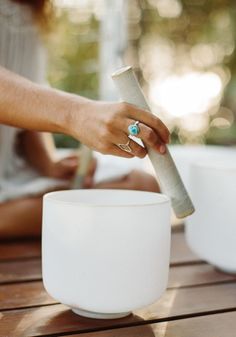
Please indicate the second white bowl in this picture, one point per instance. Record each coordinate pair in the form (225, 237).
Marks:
(211, 231)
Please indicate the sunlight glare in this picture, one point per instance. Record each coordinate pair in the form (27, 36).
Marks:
(71, 3)
(167, 8)
(192, 93)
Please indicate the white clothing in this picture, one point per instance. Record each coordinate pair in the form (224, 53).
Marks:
(21, 51)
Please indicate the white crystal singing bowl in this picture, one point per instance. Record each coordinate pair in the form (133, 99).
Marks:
(211, 231)
(105, 253)
(185, 155)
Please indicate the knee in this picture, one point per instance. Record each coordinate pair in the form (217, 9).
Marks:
(140, 180)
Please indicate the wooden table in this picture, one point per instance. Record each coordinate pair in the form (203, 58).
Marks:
(199, 301)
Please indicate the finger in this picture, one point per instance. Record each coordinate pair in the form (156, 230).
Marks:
(151, 120)
(71, 158)
(122, 138)
(116, 151)
(69, 163)
(69, 170)
(149, 137)
(137, 149)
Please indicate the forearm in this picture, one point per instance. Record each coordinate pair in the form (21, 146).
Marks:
(101, 126)
(27, 105)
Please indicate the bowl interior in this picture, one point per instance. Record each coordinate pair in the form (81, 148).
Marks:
(107, 198)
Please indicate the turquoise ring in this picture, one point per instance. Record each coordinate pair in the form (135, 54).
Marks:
(134, 129)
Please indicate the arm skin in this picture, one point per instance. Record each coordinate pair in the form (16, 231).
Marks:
(39, 151)
(27, 105)
(99, 125)
(35, 149)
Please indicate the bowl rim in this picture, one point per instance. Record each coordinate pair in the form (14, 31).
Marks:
(48, 197)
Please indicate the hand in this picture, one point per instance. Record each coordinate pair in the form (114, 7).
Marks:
(102, 125)
(65, 168)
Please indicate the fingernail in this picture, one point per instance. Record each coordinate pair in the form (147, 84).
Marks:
(162, 149)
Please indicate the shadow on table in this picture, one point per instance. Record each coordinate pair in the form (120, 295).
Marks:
(67, 321)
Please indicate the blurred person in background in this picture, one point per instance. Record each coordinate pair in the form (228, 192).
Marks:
(28, 167)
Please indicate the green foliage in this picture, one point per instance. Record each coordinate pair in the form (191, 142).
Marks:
(74, 49)
(63, 141)
(73, 58)
(209, 22)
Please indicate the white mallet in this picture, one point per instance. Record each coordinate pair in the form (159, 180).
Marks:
(166, 171)
(86, 156)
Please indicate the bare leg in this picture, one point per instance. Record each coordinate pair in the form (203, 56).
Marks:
(21, 218)
(136, 180)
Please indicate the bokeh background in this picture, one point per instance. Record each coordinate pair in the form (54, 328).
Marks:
(183, 52)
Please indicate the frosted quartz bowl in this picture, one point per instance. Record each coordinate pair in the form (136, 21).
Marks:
(211, 231)
(105, 253)
(185, 155)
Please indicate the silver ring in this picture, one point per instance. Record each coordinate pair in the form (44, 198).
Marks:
(125, 147)
(134, 128)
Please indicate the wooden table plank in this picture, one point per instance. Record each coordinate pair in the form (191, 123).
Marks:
(180, 276)
(195, 275)
(220, 325)
(41, 316)
(33, 293)
(15, 250)
(191, 301)
(180, 253)
(136, 331)
(174, 303)
(29, 294)
(16, 271)
(51, 320)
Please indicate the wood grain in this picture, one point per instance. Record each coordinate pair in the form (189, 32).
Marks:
(51, 320)
(185, 301)
(180, 252)
(180, 276)
(14, 296)
(33, 293)
(221, 325)
(195, 288)
(19, 272)
(195, 275)
(136, 331)
(174, 303)
(15, 271)
(16, 250)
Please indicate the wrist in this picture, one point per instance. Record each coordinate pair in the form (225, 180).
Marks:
(78, 110)
(62, 112)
